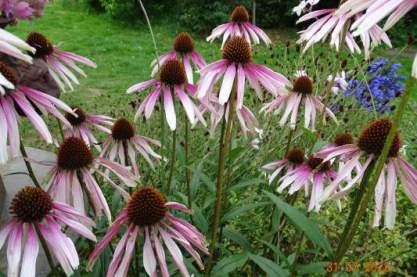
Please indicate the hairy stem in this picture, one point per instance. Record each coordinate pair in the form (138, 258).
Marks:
(61, 130)
(187, 162)
(172, 162)
(46, 249)
(148, 22)
(225, 138)
(29, 166)
(370, 179)
(2, 193)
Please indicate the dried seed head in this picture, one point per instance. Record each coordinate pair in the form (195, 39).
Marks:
(295, 156)
(343, 139)
(172, 73)
(237, 50)
(317, 164)
(303, 85)
(9, 73)
(42, 45)
(74, 154)
(373, 137)
(75, 121)
(239, 15)
(31, 204)
(146, 207)
(123, 129)
(183, 43)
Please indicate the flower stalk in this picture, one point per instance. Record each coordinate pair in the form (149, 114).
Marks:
(370, 179)
(187, 161)
(172, 162)
(224, 142)
(2, 193)
(28, 165)
(46, 249)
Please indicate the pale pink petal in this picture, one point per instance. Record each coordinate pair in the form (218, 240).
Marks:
(30, 254)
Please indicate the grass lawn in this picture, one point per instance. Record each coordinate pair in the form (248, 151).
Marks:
(123, 54)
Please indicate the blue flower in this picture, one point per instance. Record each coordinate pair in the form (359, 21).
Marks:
(383, 84)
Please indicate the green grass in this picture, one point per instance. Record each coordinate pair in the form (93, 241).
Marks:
(123, 53)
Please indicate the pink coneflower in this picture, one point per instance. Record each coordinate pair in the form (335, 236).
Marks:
(237, 67)
(376, 10)
(290, 100)
(10, 44)
(59, 62)
(123, 144)
(369, 146)
(239, 26)
(17, 9)
(334, 24)
(293, 159)
(315, 172)
(247, 120)
(184, 50)
(82, 124)
(22, 10)
(72, 176)
(172, 82)
(34, 214)
(27, 102)
(146, 215)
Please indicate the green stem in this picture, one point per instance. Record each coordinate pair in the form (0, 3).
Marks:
(148, 22)
(370, 179)
(61, 130)
(290, 198)
(28, 165)
(46, 249)
(2, 193)
(85, 192)
(227, 182)
(297, 253)
(162, 137)
(225, 137)
(172, 163)
(187, 162)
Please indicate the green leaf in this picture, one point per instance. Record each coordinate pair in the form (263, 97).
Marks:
(242, 209)
(211, 186)
(229, 264)
(237, 237)
(271, 269)
(277, 251)
(195, 179)
(311, 136)
(235, 153)
(317, 268)
(246, 183)
(319, 145)
(303, 223)
(200, 220)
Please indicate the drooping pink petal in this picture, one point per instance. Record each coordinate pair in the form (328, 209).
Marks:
(111, 232)
(169, 109)
(149, 260)
(142, 86)
(228, 80)
(129, 251)
(30, 254)
(391, 202)
(14, 250)
(175, 252)
(160, 253)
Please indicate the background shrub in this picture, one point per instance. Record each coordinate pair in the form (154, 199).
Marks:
(201, 16)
